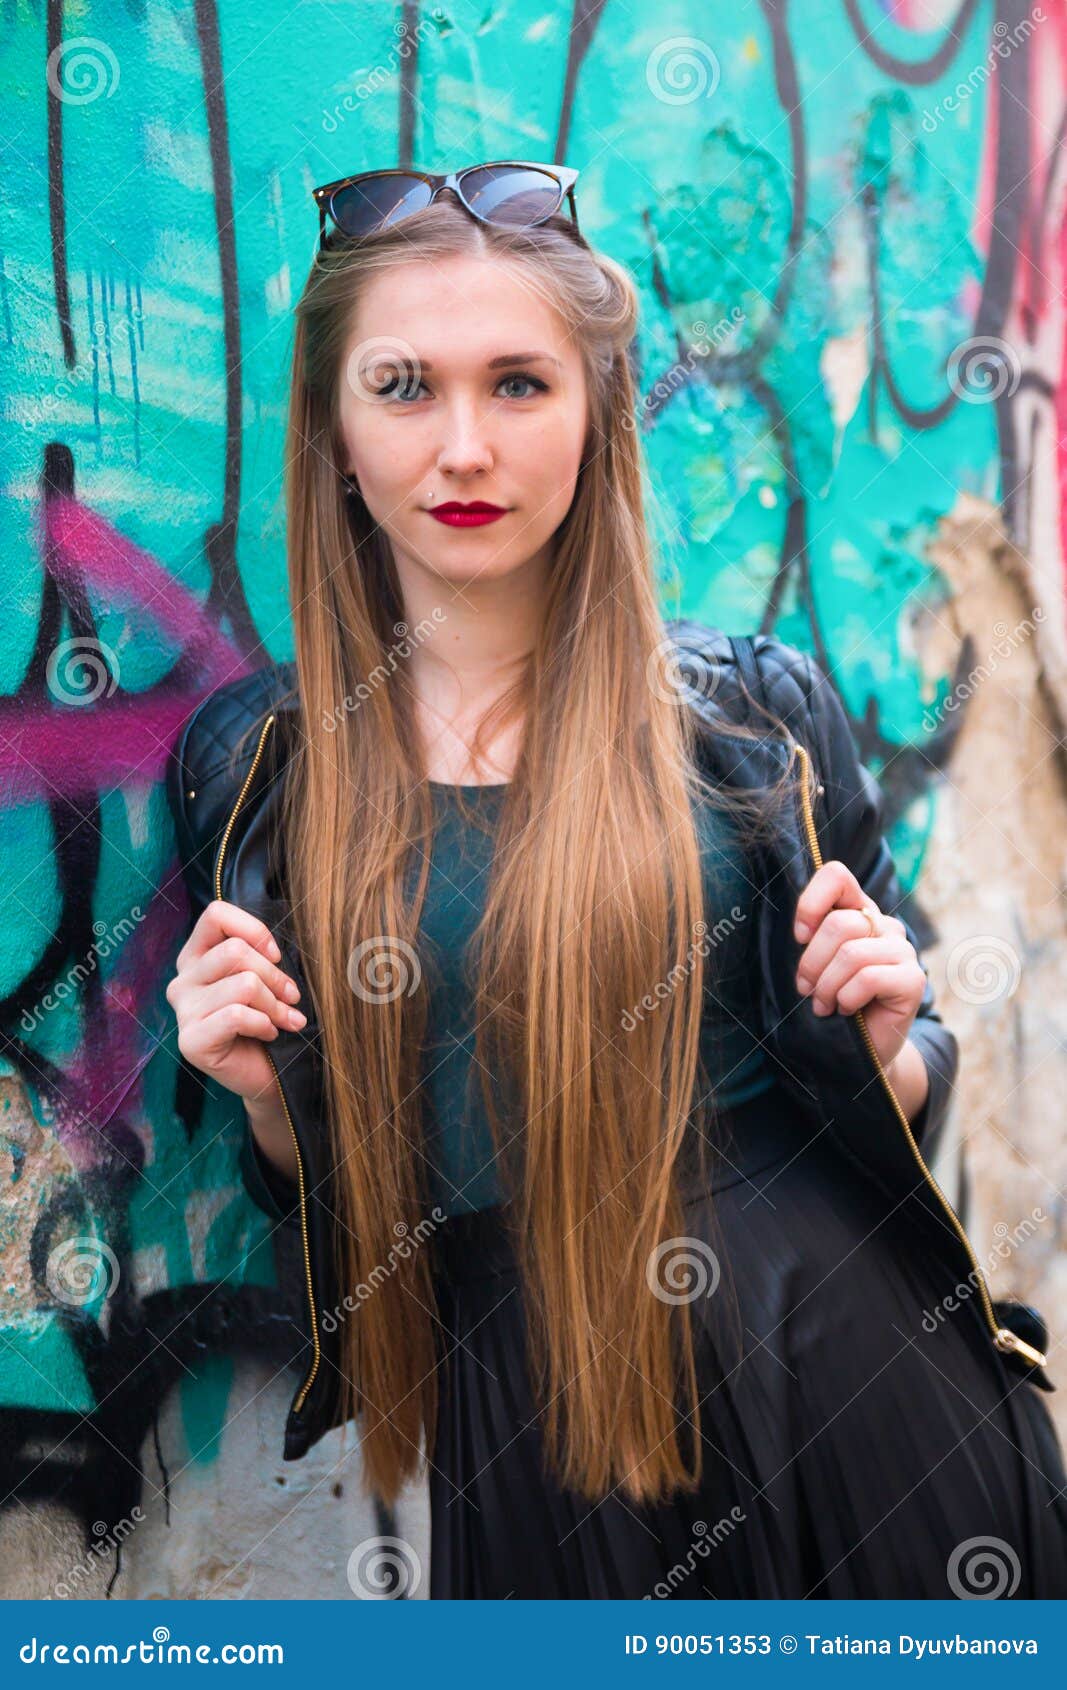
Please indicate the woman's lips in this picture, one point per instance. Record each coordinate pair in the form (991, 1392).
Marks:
(473, 517)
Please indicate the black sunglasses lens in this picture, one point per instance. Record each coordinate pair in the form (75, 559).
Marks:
(512, 194)
(377, 201)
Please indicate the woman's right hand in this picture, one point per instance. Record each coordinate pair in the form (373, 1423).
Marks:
(230, 999)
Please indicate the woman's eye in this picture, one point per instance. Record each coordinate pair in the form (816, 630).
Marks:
(403, 387)
(400, 385)
(530, 381)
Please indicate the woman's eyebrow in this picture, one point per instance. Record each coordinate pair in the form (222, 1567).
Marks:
(507, 358)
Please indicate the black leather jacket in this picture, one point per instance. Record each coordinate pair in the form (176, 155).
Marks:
(827, 1064)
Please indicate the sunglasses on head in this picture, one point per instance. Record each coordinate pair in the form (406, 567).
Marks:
(510, 193)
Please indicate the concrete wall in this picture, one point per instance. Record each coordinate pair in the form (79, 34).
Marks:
(847, 225)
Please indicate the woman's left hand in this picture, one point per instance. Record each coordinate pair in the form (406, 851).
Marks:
(848, 964)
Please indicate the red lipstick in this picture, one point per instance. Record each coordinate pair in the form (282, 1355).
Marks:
(467, 516)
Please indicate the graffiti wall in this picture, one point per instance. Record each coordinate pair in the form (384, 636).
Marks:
(846, 221)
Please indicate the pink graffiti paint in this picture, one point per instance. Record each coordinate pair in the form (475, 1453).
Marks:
(83, 547)
(88, 735)
(102, 1077)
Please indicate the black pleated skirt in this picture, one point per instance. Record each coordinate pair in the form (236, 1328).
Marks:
(850, 1449)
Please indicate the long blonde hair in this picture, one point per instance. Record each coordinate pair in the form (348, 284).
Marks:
(594, 897)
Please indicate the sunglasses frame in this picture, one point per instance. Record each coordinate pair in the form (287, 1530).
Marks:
(562, 175)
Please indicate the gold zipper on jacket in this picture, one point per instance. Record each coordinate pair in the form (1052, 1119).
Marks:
(301, 1396)
(1004, 1338)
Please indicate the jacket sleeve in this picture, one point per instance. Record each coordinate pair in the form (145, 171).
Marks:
(268, 1187)
(196, 783)
(196, 850)
(853, 821)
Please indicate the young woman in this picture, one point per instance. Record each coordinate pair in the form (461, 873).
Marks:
(601, 1120)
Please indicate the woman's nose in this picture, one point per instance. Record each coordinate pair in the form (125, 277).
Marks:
(467, 444)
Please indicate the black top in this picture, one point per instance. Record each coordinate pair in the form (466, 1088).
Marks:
(462, 1169)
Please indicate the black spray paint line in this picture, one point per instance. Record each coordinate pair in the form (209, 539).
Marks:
(226, 595)
(57, 206)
